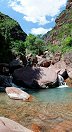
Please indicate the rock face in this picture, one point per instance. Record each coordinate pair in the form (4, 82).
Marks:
(62, 28)
(69, 4)
(16, 93)
(35, 77)
(7, 125)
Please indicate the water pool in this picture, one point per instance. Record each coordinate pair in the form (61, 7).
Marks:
(56, 95)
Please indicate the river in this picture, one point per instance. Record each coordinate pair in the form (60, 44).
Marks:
(49, 109)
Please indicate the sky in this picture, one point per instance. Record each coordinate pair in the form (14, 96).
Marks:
(34, 16)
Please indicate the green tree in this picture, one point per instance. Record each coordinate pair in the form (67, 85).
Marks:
(18, 47)
(39, 46)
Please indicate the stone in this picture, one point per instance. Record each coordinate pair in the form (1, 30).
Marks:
(68, 62)
(5, 81)
(69, 82)
(16, 93)
(35, 76)
(68, 59)
(7, 125)
(44, 63)
(15, 64)
(4, 69)
(56, 58)
(59, 67)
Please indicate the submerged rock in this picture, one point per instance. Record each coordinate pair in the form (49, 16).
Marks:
(7, 125)
(35, 77)
(16, 93)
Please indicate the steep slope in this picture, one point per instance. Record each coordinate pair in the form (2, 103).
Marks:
(10, 32)
(63, 27)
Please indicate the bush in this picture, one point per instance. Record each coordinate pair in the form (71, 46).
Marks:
(68, 41)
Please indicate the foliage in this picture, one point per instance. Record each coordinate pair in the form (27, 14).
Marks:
(12, 38)
(18, 47)
(68, 41)
(65, 46)
(34, 44)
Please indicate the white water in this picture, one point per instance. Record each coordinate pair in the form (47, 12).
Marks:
(62, 84)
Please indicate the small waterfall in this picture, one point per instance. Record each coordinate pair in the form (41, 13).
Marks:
(62, 84)
(61, 80)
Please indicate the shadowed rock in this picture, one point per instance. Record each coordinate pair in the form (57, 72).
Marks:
(35, 77)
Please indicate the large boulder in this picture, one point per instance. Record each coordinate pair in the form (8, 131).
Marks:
(68, 59)
(15, 64)
(16, 93)
(35, 77)
(4, 68)
(7, 125)
(59, 67)
(68, 62)
(5, 81)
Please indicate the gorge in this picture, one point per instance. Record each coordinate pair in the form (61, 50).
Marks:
(40, 66)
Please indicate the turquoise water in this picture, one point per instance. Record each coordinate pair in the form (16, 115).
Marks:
(56, 95)
(62, 94)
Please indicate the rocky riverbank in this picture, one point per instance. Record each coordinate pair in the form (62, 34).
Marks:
(40, 72)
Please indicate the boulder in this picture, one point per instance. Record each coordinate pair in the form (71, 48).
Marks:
(16, 93)
(4, 68)
(59, 67)
(5, 81)
(15, 64)
(48, 55)
(68, 59)
(69, 82)
(44, 63)
(35, 77)
(68, 62)
(69, 72)
(56, 57)
(7, 125)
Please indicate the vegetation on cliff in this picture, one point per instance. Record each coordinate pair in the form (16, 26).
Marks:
(60, 37)
(11, 38)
